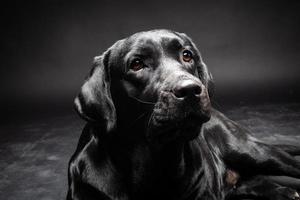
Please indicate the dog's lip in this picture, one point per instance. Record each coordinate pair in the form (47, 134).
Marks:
(200, 117)
(178, 122)
(170, 129)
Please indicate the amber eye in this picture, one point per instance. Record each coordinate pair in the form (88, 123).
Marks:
(136, 64)
(187, 56)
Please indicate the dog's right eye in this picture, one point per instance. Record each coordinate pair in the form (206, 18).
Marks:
(187, 55)
(137, 64)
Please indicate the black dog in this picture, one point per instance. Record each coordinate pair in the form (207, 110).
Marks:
(152, 133)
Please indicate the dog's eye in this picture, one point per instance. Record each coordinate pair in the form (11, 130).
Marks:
(187, 56)
(136, 64)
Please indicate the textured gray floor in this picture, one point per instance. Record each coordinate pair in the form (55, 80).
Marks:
(34, 155)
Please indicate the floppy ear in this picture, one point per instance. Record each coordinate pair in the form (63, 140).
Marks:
(94, 102)
(207, 78)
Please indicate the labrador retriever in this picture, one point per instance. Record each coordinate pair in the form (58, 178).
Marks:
(153, 134)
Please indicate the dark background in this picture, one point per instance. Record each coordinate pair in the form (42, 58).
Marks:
(252, 48)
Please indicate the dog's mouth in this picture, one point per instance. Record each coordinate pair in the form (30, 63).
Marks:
(168, 128)
(173, 119)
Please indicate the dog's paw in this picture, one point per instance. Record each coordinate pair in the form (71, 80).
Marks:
(296, 196)
(285, 193)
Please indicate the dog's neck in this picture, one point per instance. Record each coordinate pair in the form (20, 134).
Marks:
(177, 168)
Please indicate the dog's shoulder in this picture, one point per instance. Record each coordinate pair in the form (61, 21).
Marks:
(91, 164)
(221, 125)
(218, 125)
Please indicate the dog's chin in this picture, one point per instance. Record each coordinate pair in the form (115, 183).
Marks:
(181, 128)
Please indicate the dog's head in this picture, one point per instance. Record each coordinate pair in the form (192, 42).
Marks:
(156, 79)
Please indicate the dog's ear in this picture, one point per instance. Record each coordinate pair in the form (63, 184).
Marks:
(207, 78)
(94, 102)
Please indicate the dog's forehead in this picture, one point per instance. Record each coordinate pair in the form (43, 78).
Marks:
(158, 38)
(157, 35)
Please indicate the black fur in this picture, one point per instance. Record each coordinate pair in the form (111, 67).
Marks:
(144, 140)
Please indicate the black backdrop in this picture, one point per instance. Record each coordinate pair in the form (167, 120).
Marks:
(251, 47)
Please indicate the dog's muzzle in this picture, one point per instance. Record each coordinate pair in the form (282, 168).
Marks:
(190, 91)
(194, 98)
(187, 89)
(183, 108)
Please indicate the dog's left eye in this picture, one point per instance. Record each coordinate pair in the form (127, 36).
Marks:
(136, 64)
(187, 55)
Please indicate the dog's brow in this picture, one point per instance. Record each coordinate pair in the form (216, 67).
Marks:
(145, 50)
(144, 47)
(173, 44)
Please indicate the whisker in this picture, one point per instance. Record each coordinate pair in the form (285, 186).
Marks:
(139, 117)
(141, 101)
(150, 118)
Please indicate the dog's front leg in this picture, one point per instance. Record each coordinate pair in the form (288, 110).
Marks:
(262, 187)
(252, 157)
(246, 154)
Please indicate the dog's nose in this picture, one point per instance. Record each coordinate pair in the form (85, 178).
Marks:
(187, 88)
